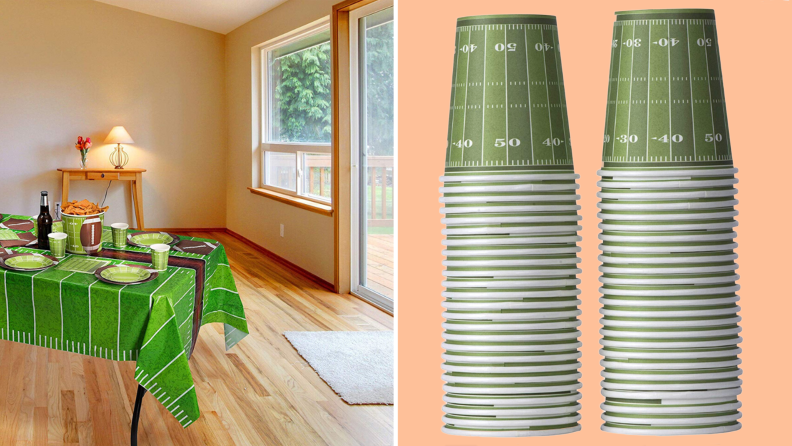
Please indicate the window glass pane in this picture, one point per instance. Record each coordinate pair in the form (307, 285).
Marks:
(376, 50)
(282, 170)
(299, 91)
(317, 181)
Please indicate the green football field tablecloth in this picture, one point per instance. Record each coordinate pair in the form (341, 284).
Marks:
(150, 323)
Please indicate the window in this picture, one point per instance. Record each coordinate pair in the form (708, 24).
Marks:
(297, 114)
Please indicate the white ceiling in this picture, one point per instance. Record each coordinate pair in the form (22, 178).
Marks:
(222, 16)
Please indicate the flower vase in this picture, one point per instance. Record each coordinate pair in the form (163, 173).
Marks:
(83, 159)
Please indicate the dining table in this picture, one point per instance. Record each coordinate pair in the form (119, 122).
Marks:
(155, 323)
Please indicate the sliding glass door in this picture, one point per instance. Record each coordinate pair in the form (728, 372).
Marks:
(373, 152)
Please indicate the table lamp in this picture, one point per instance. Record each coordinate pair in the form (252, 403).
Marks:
(118, 135)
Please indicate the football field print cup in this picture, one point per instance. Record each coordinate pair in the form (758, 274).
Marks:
(670, 328)
(511, 217)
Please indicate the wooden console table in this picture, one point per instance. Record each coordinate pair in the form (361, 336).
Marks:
(133, 175)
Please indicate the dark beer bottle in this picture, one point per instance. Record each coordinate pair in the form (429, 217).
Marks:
(44, 222)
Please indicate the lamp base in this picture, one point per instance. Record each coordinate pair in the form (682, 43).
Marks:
(119, 158)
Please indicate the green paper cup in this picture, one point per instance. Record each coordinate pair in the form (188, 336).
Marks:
(159, 256)
(57, 241)
(119, 234)
(508, 104)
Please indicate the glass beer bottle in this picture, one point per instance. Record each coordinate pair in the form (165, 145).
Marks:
(44, 222)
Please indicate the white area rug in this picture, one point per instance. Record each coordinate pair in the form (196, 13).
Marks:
(358, 365)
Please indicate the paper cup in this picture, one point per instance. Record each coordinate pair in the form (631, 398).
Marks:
(159, 256)
(57, 241)
(119, 234)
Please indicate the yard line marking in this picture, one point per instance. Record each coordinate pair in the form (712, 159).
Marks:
(629, 97)
(60, 297)
(224, 289)
(648, 88)
(180, 299)
(484, 96)
(453, 100)
(506, 87)
(618, 87)
(528, 88)
(464, 112)
(670, 131)
(158, 330)
(118, 332)
(709, 86)
(547, 89)
(89, 316)
(179, 397)
(166, 366)
(151, 297)
(690, 82)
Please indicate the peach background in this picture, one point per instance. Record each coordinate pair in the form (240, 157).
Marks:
(759, 112)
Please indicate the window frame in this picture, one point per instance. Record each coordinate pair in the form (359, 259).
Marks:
(265, 106)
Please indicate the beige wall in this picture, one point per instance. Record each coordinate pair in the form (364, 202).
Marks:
(308, 240)
(79, 67)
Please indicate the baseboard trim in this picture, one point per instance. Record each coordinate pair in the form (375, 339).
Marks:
(325, 284)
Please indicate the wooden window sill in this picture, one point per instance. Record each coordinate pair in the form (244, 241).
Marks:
(302, 203)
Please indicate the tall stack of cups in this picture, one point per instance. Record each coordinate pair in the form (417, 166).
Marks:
(670, 326)
(510, 210)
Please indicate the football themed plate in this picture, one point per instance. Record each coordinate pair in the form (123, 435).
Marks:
(126, 274)
(28, 262)
(146, 239)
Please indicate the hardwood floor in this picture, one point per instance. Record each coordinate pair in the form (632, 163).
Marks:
(259, 393)
(379, 263)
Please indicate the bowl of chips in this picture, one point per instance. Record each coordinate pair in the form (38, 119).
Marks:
(82, 223)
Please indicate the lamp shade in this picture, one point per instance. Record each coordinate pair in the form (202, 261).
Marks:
(119, 135)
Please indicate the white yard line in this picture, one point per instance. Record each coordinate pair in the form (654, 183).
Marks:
(467, 77)
(648, 87)
(506, 88)
(547, 89)
(158, 330)
(528, 83)
(670, 132)
(89, 314)
(709, 86)
(166, 366)
(484, 96)
(60, 297)
(690, 82)
(618, 80)
(629, 98)
(118, 333)
(179, 397)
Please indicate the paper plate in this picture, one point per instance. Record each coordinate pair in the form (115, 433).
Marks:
(146, 239)
(28, 262)
(126, 274)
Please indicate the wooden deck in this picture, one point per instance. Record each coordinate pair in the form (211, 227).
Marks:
(261, 392)
(379, 264)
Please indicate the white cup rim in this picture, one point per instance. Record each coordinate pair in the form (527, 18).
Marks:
(160, 247)
(57, 235)
(119, 226)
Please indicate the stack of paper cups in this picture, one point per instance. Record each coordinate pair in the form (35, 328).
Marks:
(670, 330)
(510, 210)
